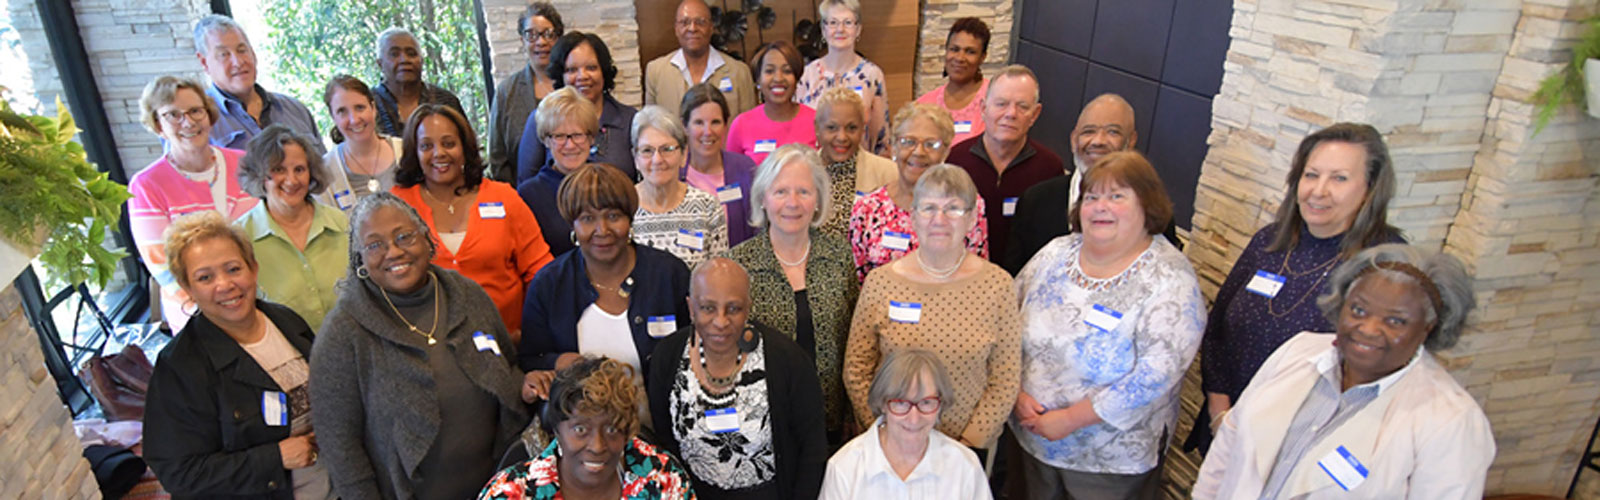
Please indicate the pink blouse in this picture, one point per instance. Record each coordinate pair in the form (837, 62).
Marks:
(756, 136)
(969, 119)
(876, 214)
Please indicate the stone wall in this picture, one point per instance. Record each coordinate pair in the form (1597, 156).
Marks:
(612, 20)
(39, 452)
(938, 15)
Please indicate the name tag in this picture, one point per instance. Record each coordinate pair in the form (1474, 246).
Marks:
(905, 312)
(491, 210)
(861, 194)
(860, 91)
(275, 408)
(963, 127)
(485, 342)
(1265, 284)
(766, 145)
(1009, 207)
(662, 326)
(722, 421)
(1343, 467)
(896, 241)
(729, 193)
(726, 85)
(343, 199)
(1104, 318)
(694, 240)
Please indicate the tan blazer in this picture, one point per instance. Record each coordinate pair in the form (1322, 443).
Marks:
(664, 85)
(873, 171)
(1423, 438)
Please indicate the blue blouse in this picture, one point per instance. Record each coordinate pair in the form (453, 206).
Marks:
(559, 293)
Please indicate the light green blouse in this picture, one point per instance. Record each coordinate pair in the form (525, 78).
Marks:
(304, 281)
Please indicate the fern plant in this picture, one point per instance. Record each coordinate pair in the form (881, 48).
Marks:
(47, 184)
(1567, 85)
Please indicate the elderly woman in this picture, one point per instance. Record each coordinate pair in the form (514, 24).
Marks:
(938, 299)
(686, 222)
(238, 353)
(363, 161)
(191, 176)
(737, 401)
(780, 119)
(596, 452)
(304, 245)
(902, 455)
(1310, 422)
(1111, 319)
(842, 67)
(567, 123)
(712, 168)
(415, 396)
(852, 172)
(881, 226)
(1335, 204)
(800, 275)
(516, 97)
(581, 61)
(964, 87)
(482, 227)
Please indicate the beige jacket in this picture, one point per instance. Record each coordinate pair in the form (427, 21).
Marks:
(873, 171)
(664, 84)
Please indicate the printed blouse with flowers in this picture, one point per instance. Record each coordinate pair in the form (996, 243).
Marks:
(881, 232)
(647, 474)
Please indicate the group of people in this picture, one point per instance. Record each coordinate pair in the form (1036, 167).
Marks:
(750, 301)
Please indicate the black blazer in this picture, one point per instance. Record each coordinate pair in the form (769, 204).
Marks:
(561, 291)
(204, 432)
(799, 442)
(1042, 210)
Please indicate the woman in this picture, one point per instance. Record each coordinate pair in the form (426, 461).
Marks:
(239, 352)
(737, 401)
(799, 275)
(686, 222)
(852, 172)
(483, 229)
(305, 245)
(936, 298)
(1111, 319)
(962, 94)
(1339, 186)
(713, 168)
(363, 160)
(192, 176)
(594, 421)
(881, 226)
(415, 396)
(1406, 428)
(902, 455)
(842, 67)
(780, 119)
(581, 61)
(515, 98)
(567, 123)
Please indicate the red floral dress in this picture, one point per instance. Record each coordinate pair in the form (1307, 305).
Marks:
(875, 214)
(647, 474)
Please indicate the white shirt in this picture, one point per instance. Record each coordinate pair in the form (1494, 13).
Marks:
(947, 470)
(603, 334)
(713, 61)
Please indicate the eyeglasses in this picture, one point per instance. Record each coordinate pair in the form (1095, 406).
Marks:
(907, 144)
(929, 210)
(649, 151)
(379, 247)
(901, 407)
(839, 23)
(560, 138)
(529, 35)
(694, 21)
(176, 116)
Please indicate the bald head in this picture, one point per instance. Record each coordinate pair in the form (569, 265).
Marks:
(718, 274)
(1105, 126)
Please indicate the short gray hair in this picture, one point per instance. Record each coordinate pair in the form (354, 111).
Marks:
(1444, 271)
(767, 173)
(363, 211)
(900, 371)
(658, 118)
(265, 151)
(948, 180)
(385, 35)
(211, 24)
(835, 96)
(562, 105)
(854, 6)
(937, 114)
(1014, 71)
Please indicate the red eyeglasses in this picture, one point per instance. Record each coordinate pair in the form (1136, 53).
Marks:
(900, 407)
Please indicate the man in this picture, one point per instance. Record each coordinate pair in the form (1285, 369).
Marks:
(1003, 161)
(516, 97)
(246, 108)
(668, 77)
(402, 89)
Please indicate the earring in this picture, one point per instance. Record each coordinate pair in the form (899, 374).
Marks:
(573, 235)
(361, 272)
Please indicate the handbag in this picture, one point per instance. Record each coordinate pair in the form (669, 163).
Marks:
(119, 382)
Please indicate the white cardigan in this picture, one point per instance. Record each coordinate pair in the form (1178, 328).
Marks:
(1422, 438)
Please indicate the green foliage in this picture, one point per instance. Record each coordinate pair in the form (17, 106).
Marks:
(47, 182)
(314, 40)
(1567, 86)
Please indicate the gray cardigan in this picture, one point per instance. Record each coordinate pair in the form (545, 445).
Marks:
(373, 403)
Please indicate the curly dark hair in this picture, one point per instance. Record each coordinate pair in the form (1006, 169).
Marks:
(594, 385)
(409, 172)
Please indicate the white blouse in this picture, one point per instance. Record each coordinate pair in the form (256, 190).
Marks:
(947, 470)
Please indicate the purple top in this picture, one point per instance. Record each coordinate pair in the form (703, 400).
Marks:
(736, 169)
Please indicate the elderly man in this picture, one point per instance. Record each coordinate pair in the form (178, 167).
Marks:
(516, 97)
(402, 90)
(228, 59)
(1004, 162)
(668, 78)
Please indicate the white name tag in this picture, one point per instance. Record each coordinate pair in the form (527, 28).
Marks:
(485, 342)
(766, 145)
(1009, 207)
(860, 91)
(963, 127)
(275, 408)
(491, 210)
(662, 326)
(1343, 467)
(896, 241)
(905, 312)
(729, 193)
(722, 421)
(1103, 318)
(726, 85)
(1265, 284)
(861, 194)
(694, 240)
(343, 199)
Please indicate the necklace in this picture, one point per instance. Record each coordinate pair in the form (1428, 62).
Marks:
(797, 263)
(450, 206)
(712, 379)
(940, 273)
(352, 156)
(617, 290)
(414, 329)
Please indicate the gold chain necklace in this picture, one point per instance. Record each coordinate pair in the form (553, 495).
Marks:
(450, 206)
(432, 329)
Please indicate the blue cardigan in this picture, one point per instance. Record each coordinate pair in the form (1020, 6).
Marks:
(561, 291)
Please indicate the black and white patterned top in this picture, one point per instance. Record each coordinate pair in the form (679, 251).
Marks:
(699, 213)
(733, 460)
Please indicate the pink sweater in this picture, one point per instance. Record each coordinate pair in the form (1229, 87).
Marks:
(752, 127)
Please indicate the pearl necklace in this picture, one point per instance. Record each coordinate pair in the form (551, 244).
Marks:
(940, 273)
(797, 263)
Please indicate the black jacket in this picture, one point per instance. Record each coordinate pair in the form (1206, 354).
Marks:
(204, 433)
(1042, 210)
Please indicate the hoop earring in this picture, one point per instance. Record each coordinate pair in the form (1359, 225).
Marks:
(573, 235)
(189, 307)
(361, 272)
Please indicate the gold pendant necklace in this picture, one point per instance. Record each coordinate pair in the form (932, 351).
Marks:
(414, 329)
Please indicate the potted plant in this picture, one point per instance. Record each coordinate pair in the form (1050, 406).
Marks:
(52, 200)
(1577, 83)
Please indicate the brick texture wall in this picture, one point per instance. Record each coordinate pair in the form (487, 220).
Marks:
(39, 452)
(938, 15)
(612, 20)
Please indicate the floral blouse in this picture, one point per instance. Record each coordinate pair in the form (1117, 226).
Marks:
(734, 459)
(876, 214)
(647, 474)
(868, 82)
(1123, 342)
(692, 231)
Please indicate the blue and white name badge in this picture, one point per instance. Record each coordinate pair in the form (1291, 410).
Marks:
(344, 200)
(1265, 284)
(1009, 207)
(485, 342)
(661, 326)
(275, 408)
(725, 85)
(693, 240)
(491, 210)
(1343, 468)
(896, 241)
(729, 193)
(722, 421)
(905, 312)
(964, 126)
(1103, 318)
(861, 194)
(766, 145)
(860, 91)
